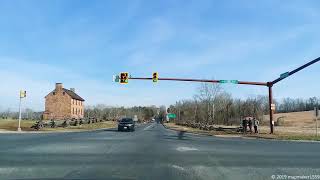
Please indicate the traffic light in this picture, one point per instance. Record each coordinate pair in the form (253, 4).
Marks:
(124, 76)
(155, 77)
(23, 94)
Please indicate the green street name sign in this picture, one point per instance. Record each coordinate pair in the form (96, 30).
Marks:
(234, 81)
(284, 75)
(223, 81)
(229, 81)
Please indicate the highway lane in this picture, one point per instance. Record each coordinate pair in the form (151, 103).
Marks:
(152, 152)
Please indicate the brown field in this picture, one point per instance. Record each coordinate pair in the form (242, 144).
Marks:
(299, 123)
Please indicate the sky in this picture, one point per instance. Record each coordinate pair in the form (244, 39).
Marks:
(82, 44)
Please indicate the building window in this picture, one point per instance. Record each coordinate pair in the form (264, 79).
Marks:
(54, 93)
(72, 110)
(64, 93)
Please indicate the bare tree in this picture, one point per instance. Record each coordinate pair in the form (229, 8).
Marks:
(207, 94)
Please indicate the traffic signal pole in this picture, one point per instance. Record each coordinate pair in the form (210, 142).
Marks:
(270, 108)
(266, 84)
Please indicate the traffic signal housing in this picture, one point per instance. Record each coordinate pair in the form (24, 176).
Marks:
(23, 94)
(155, 77)
(124, 76)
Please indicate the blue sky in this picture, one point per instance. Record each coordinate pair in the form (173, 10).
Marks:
(83, 43)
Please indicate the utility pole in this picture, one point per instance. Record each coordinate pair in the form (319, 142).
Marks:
(23, 94)
(19, 127)
(317, 124)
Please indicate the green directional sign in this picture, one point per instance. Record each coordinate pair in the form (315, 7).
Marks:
(223, 81)
(234, 81)
(171, 115)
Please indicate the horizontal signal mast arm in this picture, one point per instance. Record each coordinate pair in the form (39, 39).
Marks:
(253, 83)
(178, 79)
(201, 80)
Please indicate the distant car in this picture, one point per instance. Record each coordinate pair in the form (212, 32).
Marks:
(126, 124)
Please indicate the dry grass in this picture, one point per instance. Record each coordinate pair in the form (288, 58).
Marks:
(296, 126)
(303, 119)
(12, 125)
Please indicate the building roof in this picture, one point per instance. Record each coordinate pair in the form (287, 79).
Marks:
(73, 94)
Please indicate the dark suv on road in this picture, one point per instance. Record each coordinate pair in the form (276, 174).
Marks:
(126, 124)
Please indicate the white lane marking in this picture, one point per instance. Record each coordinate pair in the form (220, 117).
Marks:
(177, 167)
(183, 149)
(148, 127)
(7, 170)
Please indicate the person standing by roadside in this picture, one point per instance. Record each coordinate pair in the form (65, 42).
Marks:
(244, 125)
(250, 124)
(255, 125)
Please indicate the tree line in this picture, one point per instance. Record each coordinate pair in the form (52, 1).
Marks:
(100, 112)
(104, 112)
(213, 105)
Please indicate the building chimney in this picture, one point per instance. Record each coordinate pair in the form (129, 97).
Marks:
(59, 86)
(73, 90)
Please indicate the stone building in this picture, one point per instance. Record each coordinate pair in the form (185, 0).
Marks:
(63, 103)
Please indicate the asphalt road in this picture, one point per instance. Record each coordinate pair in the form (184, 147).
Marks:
(152, 152)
